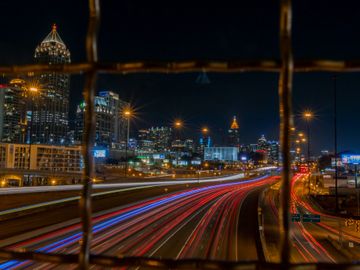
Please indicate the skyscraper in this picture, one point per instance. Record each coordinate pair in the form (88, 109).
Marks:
(51, 116)
(110, 123)
(233, 134)
(159, 136)
(119, 123)
(13, 103)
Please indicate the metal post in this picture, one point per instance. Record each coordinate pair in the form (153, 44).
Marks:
(335, 148)
(285, 87)
(126, 146)
(89, 134)
(31, 131)
(356, 182)
(357, 189)
(308, 152)
(358, 202)
(31, 134)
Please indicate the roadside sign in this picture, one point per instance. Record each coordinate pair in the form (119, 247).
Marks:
(295, 217)
(350, 159)
(310, 218)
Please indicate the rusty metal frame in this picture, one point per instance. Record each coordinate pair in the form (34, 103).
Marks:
(91, 68)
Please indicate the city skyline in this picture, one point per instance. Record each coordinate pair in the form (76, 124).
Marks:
(151, 92)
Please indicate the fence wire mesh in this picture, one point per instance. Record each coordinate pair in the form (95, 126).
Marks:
(91, 68)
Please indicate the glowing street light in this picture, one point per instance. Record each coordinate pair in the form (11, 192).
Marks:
(308, 116)
(33, 89)
(178, 124)
(205, 130)
(127, 114)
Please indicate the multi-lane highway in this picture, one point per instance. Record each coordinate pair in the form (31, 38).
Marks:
(324, 241)
(217, 221)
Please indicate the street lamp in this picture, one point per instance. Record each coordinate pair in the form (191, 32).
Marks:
(127, 114)
(178, 124)
(205, 130)
(205, 141)
(308, 116)
(32, 91)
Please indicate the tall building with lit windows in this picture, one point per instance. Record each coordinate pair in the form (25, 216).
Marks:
(111, 125)
(51, 113)
(233, 134)
(13, 105)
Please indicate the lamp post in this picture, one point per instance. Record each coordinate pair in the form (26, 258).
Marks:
(335, 146)
(308, 115)
(204, 132)
(178, 125)
(127, 115)
(32, 92)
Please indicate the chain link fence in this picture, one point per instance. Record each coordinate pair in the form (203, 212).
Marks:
(92, 68)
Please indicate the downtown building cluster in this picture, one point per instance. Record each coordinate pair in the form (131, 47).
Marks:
(36, 133)
(166, 146)
(35, 130)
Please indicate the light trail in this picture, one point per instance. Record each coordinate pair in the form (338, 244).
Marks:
(22, 190)
(65, 200)
(139, 229)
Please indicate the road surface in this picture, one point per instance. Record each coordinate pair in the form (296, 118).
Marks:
(217, 221)
(325, 241)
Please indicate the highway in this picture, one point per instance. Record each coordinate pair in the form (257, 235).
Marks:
(217, 221)
(324, 241)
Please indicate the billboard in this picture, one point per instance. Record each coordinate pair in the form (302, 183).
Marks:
(350, 159)
(100, 153)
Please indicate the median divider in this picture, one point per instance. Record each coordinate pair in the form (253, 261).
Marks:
(40, 207)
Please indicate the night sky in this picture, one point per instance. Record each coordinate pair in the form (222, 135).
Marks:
(131, 30)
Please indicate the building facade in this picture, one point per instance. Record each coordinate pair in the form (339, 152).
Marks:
(159, 138)
(119, 123)
(111, 126)
(13, 121)
(221, 154)
(51, 113)
(41, 157)
(233, 139)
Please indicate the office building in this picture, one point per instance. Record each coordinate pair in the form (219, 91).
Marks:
(119, 123)
(204, 141)
(41, 157)
(233, 134)
(13, 104)
(51, 114)
(274, 151)
(221, 154)
(160, 138)
(110, 131)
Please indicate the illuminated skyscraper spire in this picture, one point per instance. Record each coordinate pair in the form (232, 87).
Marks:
(53, 36)
(234, 124)
(233, 134)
